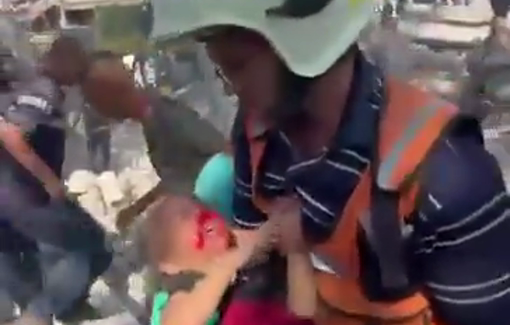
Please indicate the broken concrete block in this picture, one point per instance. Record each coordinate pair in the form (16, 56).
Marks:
(125, 183)
(110, 189)
(140, 182)
(80, 181)
(477, 12)
(92, 201)
(444, 33)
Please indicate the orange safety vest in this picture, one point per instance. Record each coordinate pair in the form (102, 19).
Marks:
(410, 125)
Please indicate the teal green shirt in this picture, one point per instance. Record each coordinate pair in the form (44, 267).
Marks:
(159, 303)
(215, 184)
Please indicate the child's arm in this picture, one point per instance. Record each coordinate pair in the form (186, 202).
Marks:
(302, 295)
(201, 302)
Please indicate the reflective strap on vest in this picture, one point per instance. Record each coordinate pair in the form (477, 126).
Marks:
(408, 150)
(391, 161)
(320, 264)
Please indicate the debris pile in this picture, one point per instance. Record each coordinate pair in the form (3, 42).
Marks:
(119, 294)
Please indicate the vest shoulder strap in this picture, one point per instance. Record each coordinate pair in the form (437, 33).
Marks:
(411, 124)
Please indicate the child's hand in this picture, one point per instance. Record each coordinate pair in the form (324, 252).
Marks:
(253, 244)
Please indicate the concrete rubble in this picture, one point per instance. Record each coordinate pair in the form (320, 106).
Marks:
(119, 294)
(450, 26)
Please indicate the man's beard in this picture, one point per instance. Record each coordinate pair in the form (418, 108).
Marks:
(290, 111)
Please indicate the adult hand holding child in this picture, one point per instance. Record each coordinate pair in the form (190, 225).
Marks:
(286, 213)
(253, 245)
(301, 290)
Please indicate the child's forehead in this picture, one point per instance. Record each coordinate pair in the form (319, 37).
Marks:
(174, 211)
(181, 206)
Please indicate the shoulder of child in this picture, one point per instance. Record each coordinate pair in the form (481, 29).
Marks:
(182, 281)
(172, 287)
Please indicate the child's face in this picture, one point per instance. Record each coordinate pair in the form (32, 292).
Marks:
(185, 232)
(194, 233)
(212, 234)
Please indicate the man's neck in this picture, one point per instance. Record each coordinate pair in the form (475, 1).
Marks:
(328, 98)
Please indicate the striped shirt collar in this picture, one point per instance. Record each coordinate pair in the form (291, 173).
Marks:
(366, 98)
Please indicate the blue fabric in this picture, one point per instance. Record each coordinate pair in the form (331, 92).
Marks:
(315, 179)
(215, 184)
(460, 230)
(66, 276)
(38, 113)
(460, 227)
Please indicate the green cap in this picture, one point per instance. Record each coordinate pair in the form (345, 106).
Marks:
(309, 35)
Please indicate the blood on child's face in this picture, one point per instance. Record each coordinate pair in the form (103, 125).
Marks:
(212, 233)
(194, 233)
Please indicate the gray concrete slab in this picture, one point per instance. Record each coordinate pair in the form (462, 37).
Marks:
(444, 34)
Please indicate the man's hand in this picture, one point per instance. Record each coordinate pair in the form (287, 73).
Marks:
(252, 245)
(55, 190)
(287, 214)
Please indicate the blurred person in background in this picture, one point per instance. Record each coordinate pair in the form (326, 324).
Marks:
(179, 141)
(500, 9)
(144, 69)
(16, 250)
(98, 128)
(70, 245)
(500, 27)
(486, 89)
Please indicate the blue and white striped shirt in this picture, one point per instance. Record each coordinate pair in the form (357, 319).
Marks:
(460, 228)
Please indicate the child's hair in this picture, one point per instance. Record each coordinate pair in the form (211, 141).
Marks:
(164, 225)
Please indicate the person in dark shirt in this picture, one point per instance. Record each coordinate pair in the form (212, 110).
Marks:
(98, 132)
(98, 129)
(12, 242)
(32, 136)
(500, 8)
(179, 140)
(500, 28)
(310, 108)
(176, 151)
